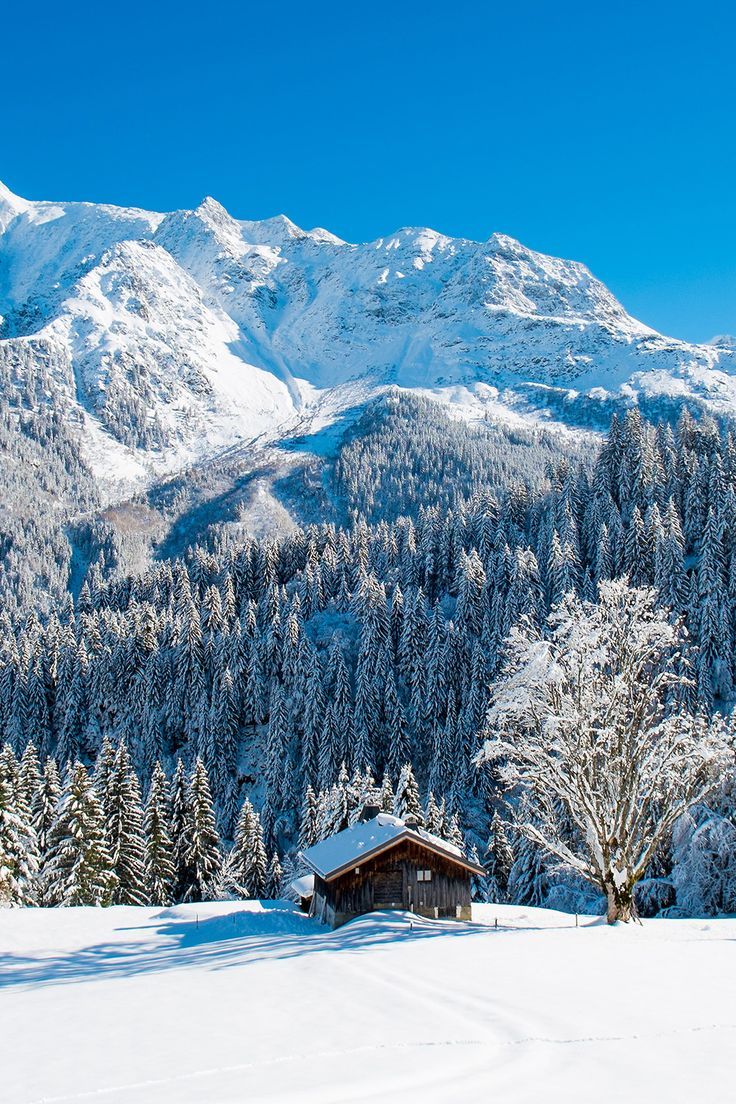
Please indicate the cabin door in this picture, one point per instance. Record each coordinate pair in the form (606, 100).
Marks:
(388, 889)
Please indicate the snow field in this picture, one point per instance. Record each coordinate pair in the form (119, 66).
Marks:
(247, 1001)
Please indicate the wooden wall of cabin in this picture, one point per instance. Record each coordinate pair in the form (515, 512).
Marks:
(353, 893)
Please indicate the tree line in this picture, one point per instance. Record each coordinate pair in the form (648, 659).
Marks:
(375, 644)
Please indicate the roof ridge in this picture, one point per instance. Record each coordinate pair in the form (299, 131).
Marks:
(328, 858)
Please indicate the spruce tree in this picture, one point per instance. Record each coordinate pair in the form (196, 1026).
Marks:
(272, 889)
(246, 868)
(78, 869)
(44, 805)
(330, 748)
(454, 833)
(406, 801)
(308, 823)
(432, 818)
(124, 827)
(276, 767)
(9, 768)
(181, 819)
(499, 859)
(387, 795)
(18, 850)
(160, 871)
(29, 775)
(204, 858)
(398, 740)
(104, 764)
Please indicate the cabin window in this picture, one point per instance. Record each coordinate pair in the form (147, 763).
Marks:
(424, 875)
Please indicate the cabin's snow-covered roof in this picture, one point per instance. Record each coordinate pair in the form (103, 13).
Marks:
(352, 845)
(302, 887)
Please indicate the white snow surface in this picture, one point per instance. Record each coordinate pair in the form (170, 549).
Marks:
(231, 329)
(247, 1001)
(362, 840)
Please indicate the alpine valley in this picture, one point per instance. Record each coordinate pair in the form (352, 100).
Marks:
(279, 511)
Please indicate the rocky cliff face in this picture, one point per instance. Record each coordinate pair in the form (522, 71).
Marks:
(168, 338)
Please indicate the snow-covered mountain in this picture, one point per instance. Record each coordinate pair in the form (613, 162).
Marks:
(171, 337)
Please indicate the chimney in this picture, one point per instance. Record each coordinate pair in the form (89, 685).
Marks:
(370, 811)
(411, 822)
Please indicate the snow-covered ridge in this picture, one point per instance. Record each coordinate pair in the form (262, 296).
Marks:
(192, 331)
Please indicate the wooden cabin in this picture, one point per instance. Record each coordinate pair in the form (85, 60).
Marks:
(387, 863)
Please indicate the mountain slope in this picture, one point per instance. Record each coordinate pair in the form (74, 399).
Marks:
(171, 337)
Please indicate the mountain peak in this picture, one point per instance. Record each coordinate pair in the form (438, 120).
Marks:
(11, 206)
(212, 207)
(723, 341)
(277, 230)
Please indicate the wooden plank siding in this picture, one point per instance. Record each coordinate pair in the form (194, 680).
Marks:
(389, 880)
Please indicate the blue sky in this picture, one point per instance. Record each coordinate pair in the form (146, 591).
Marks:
(594, 131)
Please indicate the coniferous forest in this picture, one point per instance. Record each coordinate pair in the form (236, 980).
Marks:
(179, 733)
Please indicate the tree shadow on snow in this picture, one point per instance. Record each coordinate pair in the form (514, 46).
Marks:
(179, 939)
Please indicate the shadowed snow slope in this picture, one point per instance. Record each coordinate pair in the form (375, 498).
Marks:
(243, 1001)
(174, 336)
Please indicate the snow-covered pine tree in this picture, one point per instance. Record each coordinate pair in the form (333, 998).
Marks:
(29, 776)
(342, 702)
(103, 768)
(454, 833)
(45, 802)
(331, 749)
(312, 720)
(124, 829)
(9, 768)
(246, 865)
(224, 733)
(276, 767)
(203, 858)
(398, 741)
(18, 850)
(308, 824)
(528, 878)
(181, 822)
(78, 870)
(498, 861)
(387, 795)
(160, 872)
(334, 806)
(406, 800)
(272, 890)
(432, 821)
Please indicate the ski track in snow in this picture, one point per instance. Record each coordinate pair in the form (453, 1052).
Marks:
(324, 1055)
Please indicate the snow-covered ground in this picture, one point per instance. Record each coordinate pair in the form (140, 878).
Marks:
(248, 1002)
